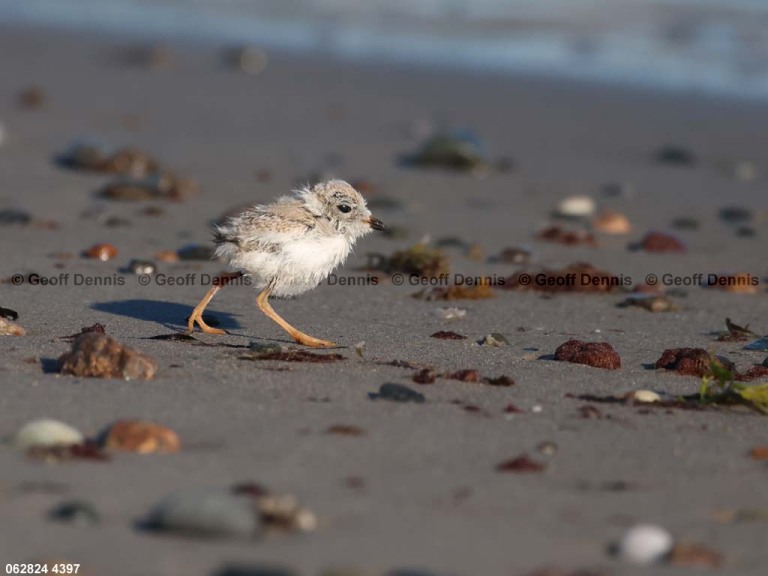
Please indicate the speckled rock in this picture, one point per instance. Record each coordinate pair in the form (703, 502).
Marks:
(97, 355)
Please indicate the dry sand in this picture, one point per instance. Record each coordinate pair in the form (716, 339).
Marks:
(431, 497)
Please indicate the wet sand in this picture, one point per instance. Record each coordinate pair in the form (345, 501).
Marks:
(431, 497)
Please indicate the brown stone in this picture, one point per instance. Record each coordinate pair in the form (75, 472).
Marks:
(597, 354)
(141, 437)
(521, 464)
(660, 242)
(688, 361)
(562, 235)
(97, 355)
(759, 453)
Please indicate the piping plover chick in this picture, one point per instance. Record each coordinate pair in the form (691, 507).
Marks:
(290, 246)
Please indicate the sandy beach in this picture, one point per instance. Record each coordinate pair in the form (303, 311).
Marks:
(419, 489)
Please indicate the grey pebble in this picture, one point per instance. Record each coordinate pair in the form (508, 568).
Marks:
(265, 347)
(397, 393)
(206, 512)
(736, 214)
(9, 217)
(78, 512)
(495, 340)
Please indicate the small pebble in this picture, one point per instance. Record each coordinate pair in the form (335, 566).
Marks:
(513, 255)
(265, 347)
(494, 340)
(31, 98)
(397, 393)
(46, 432)
(249, 59)
(10, 217)
(283, 512)
(522, 464)
(141, 267)
(610, 222)
(576, 207)
(547, 448)
(744, 170)
(8, 328)
(459, 151)
(619, 189)
(208, 513)
(140, 437)
(686, 223)
(644, 396)
(660, 242)
(676, 156)
(650, 302)
(450, 313)
(101, 252)
(736, 215)
(167, 256)
(448, 335)
(78, 512)
(644, 544)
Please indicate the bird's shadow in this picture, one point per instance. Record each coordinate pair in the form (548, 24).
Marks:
(172, 315)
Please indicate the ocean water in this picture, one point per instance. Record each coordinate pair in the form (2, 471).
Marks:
(713, 46)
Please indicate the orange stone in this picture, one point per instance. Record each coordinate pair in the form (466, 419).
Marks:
(141, 437)
(167, 256)
(759, 453)
(101, 252)
(610, 222)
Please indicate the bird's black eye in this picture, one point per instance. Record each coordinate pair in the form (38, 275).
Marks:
(344, 208)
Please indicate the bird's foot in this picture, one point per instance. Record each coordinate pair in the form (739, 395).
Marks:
(313, 342)
(203, 326)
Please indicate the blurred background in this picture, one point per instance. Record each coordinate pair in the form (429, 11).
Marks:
(718, 46)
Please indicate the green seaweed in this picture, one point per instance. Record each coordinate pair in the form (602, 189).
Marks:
(721, 388)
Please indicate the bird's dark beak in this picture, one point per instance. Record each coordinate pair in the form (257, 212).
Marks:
(375, 223)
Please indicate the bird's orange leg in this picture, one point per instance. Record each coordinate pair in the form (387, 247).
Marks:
(197, 314)
(298, 335)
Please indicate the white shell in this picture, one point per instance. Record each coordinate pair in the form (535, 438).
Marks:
(645, 544)
(46, 432)
(450, 313)
(644, 396)
(576, 207)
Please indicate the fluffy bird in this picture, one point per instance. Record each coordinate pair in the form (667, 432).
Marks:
(289, 247)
